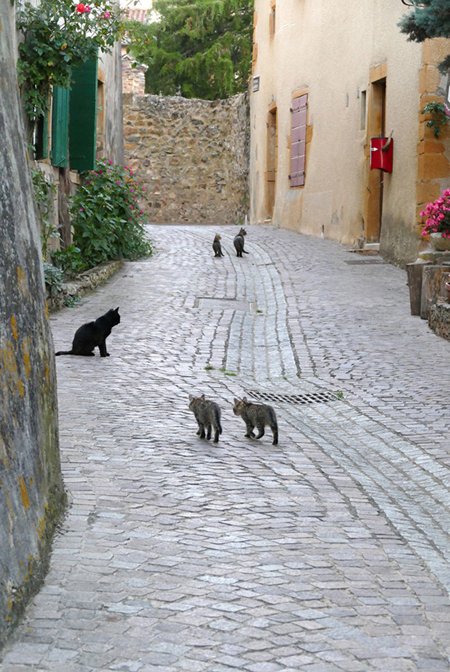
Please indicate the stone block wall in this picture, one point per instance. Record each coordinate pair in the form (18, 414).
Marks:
(192, 157)
(31, 489)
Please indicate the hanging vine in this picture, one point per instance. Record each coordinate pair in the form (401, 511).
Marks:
(60, 35)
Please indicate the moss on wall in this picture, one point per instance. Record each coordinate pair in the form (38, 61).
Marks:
(32, 496)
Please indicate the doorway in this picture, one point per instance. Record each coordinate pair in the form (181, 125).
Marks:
(272, 157)
(376, 128)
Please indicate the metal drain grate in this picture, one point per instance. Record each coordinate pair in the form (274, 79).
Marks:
(301, 398)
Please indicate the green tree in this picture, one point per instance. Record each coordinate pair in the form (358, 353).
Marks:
(196, 48)
(429, 18)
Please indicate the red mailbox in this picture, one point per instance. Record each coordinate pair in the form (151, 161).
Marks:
(381, 154)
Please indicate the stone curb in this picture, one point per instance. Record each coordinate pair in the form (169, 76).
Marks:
(85, 282)
(439, 319)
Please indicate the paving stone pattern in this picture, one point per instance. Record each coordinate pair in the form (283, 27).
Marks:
(329, 552)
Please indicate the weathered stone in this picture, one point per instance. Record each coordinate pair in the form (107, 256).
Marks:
(196, 146)
(82, 284)
(31, 488)
(439, 318)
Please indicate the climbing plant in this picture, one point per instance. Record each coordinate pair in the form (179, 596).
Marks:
(439, 117)
(60, 35)
(44, 193)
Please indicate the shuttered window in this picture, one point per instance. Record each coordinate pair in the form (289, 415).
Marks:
(60, 127)
(83, 116)
(298, 140)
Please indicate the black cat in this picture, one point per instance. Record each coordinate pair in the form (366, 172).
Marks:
(92, 335)
(238, 243)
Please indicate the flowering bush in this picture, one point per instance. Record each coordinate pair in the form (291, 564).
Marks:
(107, 219)
(60, 35)
(438, 216)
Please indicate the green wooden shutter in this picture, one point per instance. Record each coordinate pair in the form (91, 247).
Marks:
(83, 116)
(60, 127)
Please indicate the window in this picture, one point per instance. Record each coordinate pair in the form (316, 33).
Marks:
(299, 111)
(83, 116)
(60, 127)
(363, 109)
(74, 120)
(40, 138)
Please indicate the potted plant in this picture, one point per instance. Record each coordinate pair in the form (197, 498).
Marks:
(438, 222)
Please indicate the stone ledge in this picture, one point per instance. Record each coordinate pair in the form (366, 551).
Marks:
(83, 283)
(439, 318)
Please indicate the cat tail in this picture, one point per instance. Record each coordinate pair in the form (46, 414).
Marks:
(64, 352)
(217, 419)
(273, 426)
(245, 252)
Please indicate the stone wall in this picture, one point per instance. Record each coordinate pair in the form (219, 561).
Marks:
(192, 157)
(31, 488)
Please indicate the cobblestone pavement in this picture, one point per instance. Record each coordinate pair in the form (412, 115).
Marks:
(329, 552)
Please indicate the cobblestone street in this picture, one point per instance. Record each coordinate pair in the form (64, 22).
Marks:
(329, 552)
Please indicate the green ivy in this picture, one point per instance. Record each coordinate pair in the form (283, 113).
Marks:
(69, 260)
(58, 36)
(440, 117)
(54, 278)
(107, 220)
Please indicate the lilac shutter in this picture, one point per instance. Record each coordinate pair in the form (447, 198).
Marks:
(298, 141)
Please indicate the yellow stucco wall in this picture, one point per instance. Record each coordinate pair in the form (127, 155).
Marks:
(332, 50)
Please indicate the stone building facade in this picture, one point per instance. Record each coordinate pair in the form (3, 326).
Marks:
(328, 77)
(191, 156)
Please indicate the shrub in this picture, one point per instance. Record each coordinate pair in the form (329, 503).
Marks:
(438, 216)
(107, 219)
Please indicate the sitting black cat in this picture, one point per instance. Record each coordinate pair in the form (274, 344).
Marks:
(92, 335)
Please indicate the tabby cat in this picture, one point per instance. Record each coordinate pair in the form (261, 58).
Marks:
(207, 414)
(93, 335)
(217, 247)
(257, 415)
(238, 242)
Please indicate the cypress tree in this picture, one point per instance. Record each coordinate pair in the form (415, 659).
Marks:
(195, 48)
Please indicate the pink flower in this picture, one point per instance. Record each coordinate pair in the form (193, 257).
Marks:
(140, 212)
(81, 209)
(118, 181)
(131, 189)
(106, 15)
(87, 10)
(79, 8)
(143, 188)
(131, 207)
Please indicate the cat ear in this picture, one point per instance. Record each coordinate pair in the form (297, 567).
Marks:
(117, 310)
(202, 397)
(191, 398)
(245, 400)
(236, 401)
